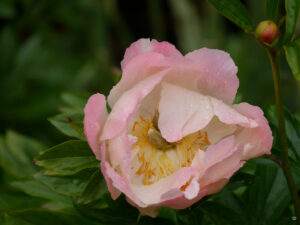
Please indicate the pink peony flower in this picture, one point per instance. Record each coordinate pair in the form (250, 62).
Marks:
(173, 135)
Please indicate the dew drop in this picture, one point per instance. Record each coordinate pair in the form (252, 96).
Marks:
(294, 218)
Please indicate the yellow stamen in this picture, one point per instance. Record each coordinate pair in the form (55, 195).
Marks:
(154, 163)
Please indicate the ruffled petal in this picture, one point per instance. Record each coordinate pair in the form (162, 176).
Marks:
(115, 193)
(144, 45)
(229, 115)
(128, 104)
(116, 183)
(140, 61)
(166, 188)
(219, 78)
(219, 160)
(120, 153)
(95, 114)
(258, 140)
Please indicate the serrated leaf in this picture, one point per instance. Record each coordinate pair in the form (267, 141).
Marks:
(292, 54)
(235, 11)
(38, 217)
(69, 124)
(271, 8)
(67, 158)
(37, 189)
(94, 190)
(292, 14)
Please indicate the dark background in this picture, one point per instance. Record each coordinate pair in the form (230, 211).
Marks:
(48, 47)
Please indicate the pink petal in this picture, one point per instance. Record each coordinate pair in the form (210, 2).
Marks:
(120, 153)
(229, 115)
(220, 78)
(137, 70)
(95, 114)
(115, 193)
(258, 140)
(143, 46)
(166, 188)
(182, 112)
(127, 105)
(115, 183)
(219, 160)
(140, 62)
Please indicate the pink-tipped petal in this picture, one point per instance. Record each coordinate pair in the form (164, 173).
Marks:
(140, 61)
(95, 114)
(120, 151)
(182, 112)
(220, 160)
(115, 193)
(166, 188)
(127, 105)
(229, 115)
(259, 139)
(116, 183)
(136, 71)
(143, 46)
(220, 73)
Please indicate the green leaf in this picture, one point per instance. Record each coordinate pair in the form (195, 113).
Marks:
(16, 200)
(38, 217)
(221, 215)
(12, 161)
(293, 135)
(76, 100)
(37, 189)
(292, 13)
(69, 124)
(95, 189)
(235, 11)
(169, 214)
(113, 212)
(292, 54)
(23, 148)
(146, 220)
(67, 158)
(78, 127)
(267, 198)
(271, 8)
(66, 185)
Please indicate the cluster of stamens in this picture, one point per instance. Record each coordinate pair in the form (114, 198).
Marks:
(155, 155)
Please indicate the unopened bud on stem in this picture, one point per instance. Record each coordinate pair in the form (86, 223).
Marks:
(267, 33)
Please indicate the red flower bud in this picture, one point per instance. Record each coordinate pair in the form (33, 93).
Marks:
(267, 33)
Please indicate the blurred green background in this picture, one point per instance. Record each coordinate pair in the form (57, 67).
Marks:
(49, 47)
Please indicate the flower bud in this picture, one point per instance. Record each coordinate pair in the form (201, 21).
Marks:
(267, 33)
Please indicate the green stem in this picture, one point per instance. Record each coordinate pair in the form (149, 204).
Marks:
(282, 133)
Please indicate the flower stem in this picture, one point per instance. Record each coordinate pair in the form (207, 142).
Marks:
(282, 134)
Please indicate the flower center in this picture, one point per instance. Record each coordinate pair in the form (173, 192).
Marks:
(156, 158)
